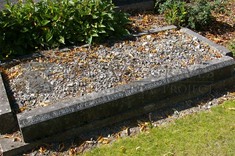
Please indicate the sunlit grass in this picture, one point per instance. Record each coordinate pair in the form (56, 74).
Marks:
(205, 133)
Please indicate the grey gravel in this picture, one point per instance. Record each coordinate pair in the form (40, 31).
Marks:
(74, 72)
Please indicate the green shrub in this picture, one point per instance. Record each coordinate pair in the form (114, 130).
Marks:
(157, 4)
(194, 14)
(200, 14)
(220, 6)
(175, 12)
(29, 26)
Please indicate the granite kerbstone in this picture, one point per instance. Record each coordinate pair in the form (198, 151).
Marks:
(155, 30)
(213, 45)
(77, 112)
(8, 121)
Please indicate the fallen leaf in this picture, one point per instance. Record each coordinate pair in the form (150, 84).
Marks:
(15, 139)
(103, 140)
(23, 108)
(89, 142)
(217, 40)
(42, 150)
(72, 151)
(7, 136)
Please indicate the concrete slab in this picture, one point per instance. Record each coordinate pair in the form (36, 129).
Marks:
(8, 121)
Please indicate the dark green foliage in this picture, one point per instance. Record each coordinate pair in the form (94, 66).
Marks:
(194, 13)
(29, 26)
(157, 4)
(175, 12)
(200, 14)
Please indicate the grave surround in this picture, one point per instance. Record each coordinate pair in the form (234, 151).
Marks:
(68, 118)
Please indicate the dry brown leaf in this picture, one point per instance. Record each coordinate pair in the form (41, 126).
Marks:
(22, 108)
(44, 104)
(117, 135)
(99, 138)
(143, 126)
(16, 139)
(89, 142)
(217, 40)
(42, 150)
(7, 136)
(103, 140)
(106, 141)
(72, 151)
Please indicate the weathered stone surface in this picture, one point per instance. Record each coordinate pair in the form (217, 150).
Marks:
(8, 120)
(78, 112)
(220, 48)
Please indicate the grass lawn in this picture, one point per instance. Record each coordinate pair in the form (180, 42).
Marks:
(205, 133)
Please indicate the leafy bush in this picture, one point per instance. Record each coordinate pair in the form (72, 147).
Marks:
(175, 12)
(28, 26)
(200, 14)
(220, 6)
(157, 4)
(194, 13)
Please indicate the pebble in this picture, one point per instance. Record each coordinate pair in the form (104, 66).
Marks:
(93, 69)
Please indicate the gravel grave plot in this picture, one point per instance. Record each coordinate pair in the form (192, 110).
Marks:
(75, 72)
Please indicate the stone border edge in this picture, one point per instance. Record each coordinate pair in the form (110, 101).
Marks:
(213, 45)
(8, 121)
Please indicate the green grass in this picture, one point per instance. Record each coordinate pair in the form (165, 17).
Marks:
(231, 46)
(205, 133)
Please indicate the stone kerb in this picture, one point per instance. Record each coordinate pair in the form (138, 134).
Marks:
(8, 122)
(77, 112)
(213, 45)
